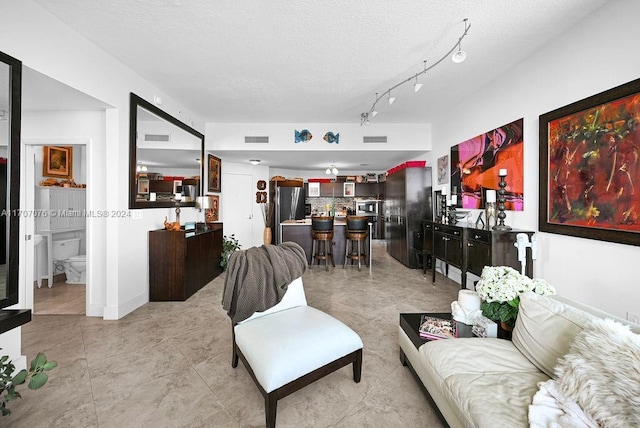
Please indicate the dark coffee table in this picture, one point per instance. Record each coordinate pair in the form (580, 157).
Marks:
(410, 323)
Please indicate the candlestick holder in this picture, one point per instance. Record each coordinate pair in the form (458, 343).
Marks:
(178, 212)
(443, 205)
(501, 199)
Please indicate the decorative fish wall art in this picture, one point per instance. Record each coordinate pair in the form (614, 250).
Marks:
(302, 136)
(330, 137)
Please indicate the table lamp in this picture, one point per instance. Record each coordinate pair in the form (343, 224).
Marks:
(204, 203)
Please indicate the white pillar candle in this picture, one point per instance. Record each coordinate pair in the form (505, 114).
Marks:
(454, 199)
(444, 190)
(502, 172)
(491, 195)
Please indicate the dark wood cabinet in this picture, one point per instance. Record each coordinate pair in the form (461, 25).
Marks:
(471, 249)
(181, 263)
(331, 189)
(447, 244)
(367, 190)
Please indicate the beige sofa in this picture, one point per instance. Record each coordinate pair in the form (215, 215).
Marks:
(489, 382)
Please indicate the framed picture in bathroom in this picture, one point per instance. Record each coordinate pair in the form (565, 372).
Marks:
(57, 161)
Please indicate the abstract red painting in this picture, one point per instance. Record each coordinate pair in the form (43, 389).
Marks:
(475, 164)
(590, 167)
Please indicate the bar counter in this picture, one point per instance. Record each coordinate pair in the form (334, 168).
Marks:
(299, 231)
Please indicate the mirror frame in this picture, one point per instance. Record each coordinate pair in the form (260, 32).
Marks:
(13, 178)
(136, 102)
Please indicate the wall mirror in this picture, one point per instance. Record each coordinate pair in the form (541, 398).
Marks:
(165, 158)
(10, 107)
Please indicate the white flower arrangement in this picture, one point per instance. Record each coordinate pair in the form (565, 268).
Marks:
(500, 288)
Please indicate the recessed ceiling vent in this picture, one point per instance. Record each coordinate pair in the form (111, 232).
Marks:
(157, 138)
(256, 140)
(380, 139)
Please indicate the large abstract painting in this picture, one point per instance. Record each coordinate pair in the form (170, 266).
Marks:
(590, 167)
(475, 164)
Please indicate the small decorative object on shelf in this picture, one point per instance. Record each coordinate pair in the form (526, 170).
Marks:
(502, 173)
(479, 221)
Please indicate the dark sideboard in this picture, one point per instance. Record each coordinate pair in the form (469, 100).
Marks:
(471, 249)
(182, 262)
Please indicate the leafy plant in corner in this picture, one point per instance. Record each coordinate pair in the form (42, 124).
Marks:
(36, 375)
(229, 245)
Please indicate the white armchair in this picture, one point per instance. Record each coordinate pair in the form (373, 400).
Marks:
(292, 345)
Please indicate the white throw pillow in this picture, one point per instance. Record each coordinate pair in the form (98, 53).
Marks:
(545, 328)
(601, 373)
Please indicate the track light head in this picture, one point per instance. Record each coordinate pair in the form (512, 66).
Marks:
(459, 56)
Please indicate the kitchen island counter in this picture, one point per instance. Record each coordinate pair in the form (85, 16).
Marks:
(299, 231)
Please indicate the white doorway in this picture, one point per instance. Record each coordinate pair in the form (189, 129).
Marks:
(45, 289)
(237, 207)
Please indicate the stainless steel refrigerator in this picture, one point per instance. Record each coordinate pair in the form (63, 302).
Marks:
(407, 203)
(289, 205)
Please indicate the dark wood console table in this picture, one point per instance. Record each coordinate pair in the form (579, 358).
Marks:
(471, 249)
(182, 262)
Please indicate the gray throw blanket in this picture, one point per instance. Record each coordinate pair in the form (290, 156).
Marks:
(258, 278)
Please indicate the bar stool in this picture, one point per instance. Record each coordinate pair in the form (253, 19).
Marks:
(356, 232)
(322, 233)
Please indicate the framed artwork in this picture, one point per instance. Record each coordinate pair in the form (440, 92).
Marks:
(212, 214)
(57, 161)
(475, 164)
(443, 169)
(215, 177)
(143, 186)
(349, 189)
(590, 168)
(314, 189)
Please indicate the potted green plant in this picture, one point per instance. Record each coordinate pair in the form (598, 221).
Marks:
(229, 245)
(500, 288)
(8, 382)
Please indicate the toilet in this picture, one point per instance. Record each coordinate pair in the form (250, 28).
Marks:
(66, 257)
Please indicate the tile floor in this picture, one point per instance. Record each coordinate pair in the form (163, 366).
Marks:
(60, 299)
(168, 364)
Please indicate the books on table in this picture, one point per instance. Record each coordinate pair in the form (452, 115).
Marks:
(433, 328)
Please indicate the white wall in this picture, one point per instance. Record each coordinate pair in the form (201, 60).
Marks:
(590, 58)
(230, 136)
(45, 44)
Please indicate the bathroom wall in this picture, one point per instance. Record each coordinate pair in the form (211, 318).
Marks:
(78, 170)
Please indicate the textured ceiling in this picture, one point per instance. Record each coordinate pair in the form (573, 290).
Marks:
(317, 61)
(314, 61)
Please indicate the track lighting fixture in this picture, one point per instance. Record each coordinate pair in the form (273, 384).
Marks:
(458, 57)
(417, 86)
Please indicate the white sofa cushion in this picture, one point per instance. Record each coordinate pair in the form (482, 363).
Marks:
(279, 348)
(478, 375)
(545, 328)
